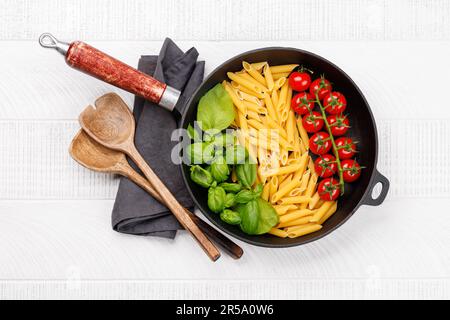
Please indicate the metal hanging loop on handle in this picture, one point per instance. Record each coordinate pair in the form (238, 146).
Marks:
(47, 40)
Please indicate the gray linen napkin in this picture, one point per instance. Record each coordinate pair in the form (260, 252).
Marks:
(135, 211)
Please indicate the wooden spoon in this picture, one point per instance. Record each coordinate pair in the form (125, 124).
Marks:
(94, 156)
(112, 125)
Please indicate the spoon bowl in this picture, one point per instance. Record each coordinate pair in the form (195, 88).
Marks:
(110, 121)
(92, 155)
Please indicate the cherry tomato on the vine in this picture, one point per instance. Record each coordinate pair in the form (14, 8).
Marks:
(320, 143)
(299, 80)
(325, 166)
(312, 122)
(329, 189)
(346, 148)
(322, 86)
(351, 170)
(334, 102)
(302, 103)
(339, 124)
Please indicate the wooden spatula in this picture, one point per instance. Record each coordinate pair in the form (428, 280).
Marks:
(112, 125)
(94, 156)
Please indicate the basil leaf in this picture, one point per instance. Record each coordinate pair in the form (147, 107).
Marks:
(194, 133)
(231, 187)
(258, 190)
(244, 196)
(236, 154)
(224, 140)
(230, 217)
(219, 169)
(230, 200)
(201, 176)
(246, 173)
(215, 109)
(199, 152)
(268, 217)
(249, 214)
(216, 199)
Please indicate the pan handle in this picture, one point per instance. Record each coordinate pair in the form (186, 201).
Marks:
(378, 178)
(81, 56)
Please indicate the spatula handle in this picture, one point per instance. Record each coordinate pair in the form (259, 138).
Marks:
(172, 203)
(225, 243)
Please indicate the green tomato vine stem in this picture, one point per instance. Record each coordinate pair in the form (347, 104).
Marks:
(335, 149)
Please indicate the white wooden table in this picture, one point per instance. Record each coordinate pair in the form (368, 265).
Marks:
(55, 235)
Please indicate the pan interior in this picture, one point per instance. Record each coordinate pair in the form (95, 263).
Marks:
(362, 130)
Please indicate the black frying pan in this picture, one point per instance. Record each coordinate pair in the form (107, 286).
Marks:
(90, 60)
(363, 129)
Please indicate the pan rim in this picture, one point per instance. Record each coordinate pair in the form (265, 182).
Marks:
(358, 204)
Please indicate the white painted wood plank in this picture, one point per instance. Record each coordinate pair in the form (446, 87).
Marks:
(72, 240)
(35, 163)
(226, 19)
(35, 83)
(301, 289)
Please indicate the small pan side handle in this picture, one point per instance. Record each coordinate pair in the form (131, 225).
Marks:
(378, 178)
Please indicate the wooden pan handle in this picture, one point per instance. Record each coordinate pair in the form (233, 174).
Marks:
(98, 64)
(172, 203)
(229, 246)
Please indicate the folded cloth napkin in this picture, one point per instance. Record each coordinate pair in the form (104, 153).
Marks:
(135, 211)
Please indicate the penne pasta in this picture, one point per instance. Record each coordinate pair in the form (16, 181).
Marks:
(236, 101)
(290, 127)
(294, 200)
(270, 107)
(245, 82)
(280, 75)
(273, 186)
(266, 192)
(295, 232)
(296, 192)
(254, 73)
(279, 83)
(278, 233)
(296, 222)
(321, 211)
(259, 65)
(296, 214)
(315, 198)
(249, 78)
(303, 133)
(284, 170)
(268, 77)
(283, 68)
(284, 209)
(329, 213)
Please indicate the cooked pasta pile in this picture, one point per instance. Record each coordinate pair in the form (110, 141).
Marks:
(276, 139)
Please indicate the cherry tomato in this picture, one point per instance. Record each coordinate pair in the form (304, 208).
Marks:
(299, 80)
(339, 124)
(322, 86)
(302, 103)
(334, 102)
(328, 189)
(312, 122)
(320, 143)
(351, 170)
(346, 148)
(325, 166)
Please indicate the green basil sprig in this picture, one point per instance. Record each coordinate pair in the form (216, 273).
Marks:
(216, 199)
(231, 187)
(201, 176)
(246, 173)
(215, 109)
(230, 217)
(219, 169)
